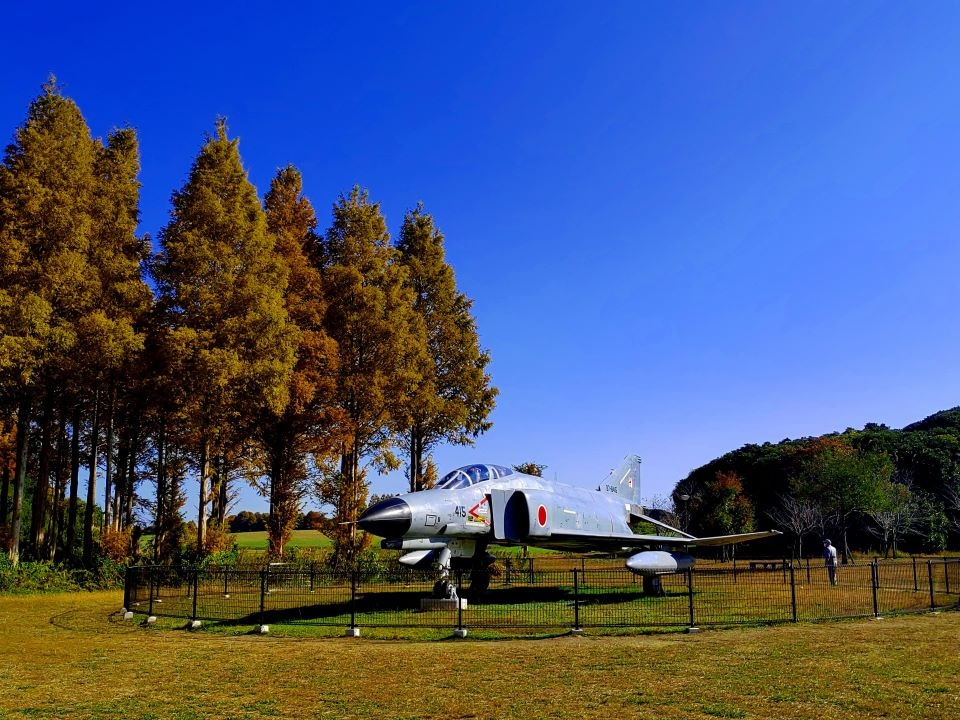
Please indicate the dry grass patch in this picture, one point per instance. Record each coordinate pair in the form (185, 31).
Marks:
(71, 656)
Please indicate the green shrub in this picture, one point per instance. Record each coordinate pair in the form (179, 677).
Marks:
(39, 577)
(31, 577)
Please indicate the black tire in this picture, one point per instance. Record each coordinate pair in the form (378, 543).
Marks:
(479, 582)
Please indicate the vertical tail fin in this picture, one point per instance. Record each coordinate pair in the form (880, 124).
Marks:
(624, 479)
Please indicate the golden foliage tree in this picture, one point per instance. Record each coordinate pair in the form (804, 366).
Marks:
(222, 290)
(47, 286)
(307, 429)
(450, 396)
(370, 316)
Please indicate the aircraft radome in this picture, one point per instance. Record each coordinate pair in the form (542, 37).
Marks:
(473, 507)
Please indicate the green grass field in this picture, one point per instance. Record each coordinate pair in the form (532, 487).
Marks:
(300, 539)
(71, 656)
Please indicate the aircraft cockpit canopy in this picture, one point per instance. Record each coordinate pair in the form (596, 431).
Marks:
(472, 474)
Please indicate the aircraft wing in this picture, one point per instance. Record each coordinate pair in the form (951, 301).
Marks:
(733, 539)
(569, 539)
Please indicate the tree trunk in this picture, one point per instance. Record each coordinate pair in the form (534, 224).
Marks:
(274, 541)
(41, 490)
(174, 499)
(59, 485)
(4, 492)
(414, 461)
(218, 489)
(19, 475)
(847, 555)
(204, 492)
(129, 494)
(75, 423)
(108, 519)
(159, 520)
(91, 483)
(133, 449)
(120, 484)
(223, 491)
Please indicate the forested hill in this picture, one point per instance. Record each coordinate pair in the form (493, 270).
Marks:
(948, 420)
(881, 485)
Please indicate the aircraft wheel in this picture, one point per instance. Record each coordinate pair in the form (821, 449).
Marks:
(479, 582)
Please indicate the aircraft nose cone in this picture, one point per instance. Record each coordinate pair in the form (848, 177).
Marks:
(389, 518)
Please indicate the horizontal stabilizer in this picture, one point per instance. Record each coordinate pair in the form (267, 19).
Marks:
(733, 539)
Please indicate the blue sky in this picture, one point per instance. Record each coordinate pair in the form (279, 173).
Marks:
(685, 226)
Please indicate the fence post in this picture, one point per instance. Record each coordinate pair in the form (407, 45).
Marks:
(263, 594)
(312, 571)
(226, 592)
(734, 569)
(692, 627)
(946, 576)
(353, 599)
(915, 586)
(576, 602)
(196, 583)
(793, 593)
(808, 571)
(461, 631)
(152, 575)
(875, 582)
(127, 581)
(530, 565)
(933, 602)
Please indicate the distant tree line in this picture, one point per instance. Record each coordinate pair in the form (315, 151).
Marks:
(250, 347)
(247, 521)
(872, 488)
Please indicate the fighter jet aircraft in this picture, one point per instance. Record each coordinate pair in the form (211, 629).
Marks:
(473, 507)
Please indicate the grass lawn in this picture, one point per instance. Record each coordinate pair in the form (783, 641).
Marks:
(299, 539)
(71, 656)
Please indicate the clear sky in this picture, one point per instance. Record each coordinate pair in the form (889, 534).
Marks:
(686, 226)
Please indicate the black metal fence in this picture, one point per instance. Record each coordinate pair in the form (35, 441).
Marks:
(548, 593)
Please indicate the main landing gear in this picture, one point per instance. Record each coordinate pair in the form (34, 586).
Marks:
(479, 567)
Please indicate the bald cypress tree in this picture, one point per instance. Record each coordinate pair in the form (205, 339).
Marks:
(450, 397)
(46, 283)
(115, 331)
(110, 334)
(222, 290)
(370, 316)
(309, 425)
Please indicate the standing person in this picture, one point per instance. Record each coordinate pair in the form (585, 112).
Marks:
(830, 560)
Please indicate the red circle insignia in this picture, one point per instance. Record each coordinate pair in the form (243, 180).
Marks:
(542, 516)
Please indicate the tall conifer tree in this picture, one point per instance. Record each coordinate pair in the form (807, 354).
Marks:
(451, 396)
(110, 335)
(116, 331)
(46, 283)
(308, 426)
(370, 316)
(222, 289)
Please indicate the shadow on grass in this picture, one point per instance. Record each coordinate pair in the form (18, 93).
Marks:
(402, 602)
